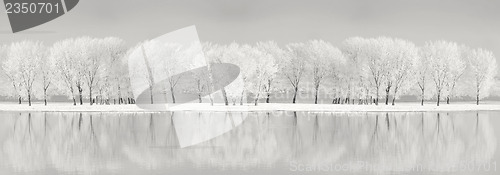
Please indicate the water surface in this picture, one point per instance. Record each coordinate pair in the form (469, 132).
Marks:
(249, 143)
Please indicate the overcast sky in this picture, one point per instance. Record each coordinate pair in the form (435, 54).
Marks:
(474, 22)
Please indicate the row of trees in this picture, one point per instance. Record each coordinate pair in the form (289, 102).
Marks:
(69, 68)
(362, 69)
(438, 69)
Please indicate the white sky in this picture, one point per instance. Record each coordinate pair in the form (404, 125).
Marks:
(475, 23)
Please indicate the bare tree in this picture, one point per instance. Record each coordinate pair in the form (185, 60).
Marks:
(482, 70)
(274, 53)
(25, 56)
(422, 71)
(321, 57)
(374, 53)
(92, 54)
(113, 68)
(63, 53)
(11, 73)
(260, 69)
(201, 80)
(294, 66)
(442, 56)
(85, 66)
(213, 54)
(457, 70)
(167, 59)
(47, 75)
(402, 64)
(151, 81)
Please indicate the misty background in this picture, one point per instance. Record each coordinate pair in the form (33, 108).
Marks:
(471, 22)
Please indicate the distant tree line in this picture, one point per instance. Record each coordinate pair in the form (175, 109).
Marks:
(361, 71)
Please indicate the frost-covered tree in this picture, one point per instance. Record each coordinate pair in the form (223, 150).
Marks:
(294, 66)
(200, 81)
(64, 55)
(214, 54)
(443, 57)
(341, 75)
(385, 48)
(11, 74)
(401, 64)
(91, 63)
(321, 58)
(47, 74)
(114, 69)
(274, 53)
(145, 69)
(84, 64)
(422, 75)
(239, 55)
(168, 60)
(25, 57)
(374, 53)
(235, 90)
(354, 71)
(171, 65)
(260, 70)
(482, 71)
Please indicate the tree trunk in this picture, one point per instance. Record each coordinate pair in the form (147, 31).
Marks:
(387, 96)
(477, 99)
(20, 100)
(295, 94)
(257, 100)
(199, 98)
(316, 95)
(211, 99)
(119, 94)
(90, 96)
(224, 96)
(438, 98)
(45, 96)
(422, 97)
(80, 90)
(376, 99)
(448, 100)
(29, 98)
(151, 94)
(395, 94)
(172, 93)
(241, 98)
(268, 91)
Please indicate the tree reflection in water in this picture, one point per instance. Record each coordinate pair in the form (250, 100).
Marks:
(112, 142)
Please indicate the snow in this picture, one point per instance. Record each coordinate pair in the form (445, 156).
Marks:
(402, 107)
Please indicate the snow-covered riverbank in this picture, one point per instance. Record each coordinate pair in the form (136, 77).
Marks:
(403, 107)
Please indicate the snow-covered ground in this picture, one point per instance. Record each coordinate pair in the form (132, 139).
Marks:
(404, 107)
